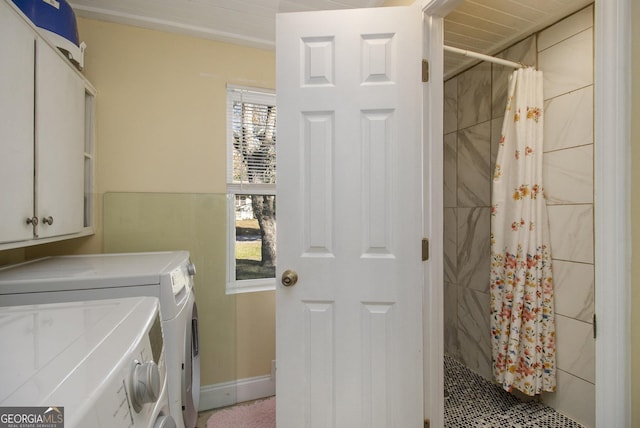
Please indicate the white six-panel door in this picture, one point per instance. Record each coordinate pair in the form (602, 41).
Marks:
(349, 195)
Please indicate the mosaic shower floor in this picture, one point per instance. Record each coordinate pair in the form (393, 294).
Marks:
(476, 403)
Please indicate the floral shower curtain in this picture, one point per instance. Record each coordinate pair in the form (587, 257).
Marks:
(522, 312)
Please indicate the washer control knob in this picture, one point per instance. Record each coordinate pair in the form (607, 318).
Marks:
(145, 384)
(191, 269)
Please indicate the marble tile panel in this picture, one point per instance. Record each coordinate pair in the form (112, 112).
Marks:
(473, 248)
(450, 170)
(575, 352)
(523, 52)
(568, 120)
(571, 229)
(568, 175)
(474, 331)
(499, 88)
(574, 289)
(496, 133)
(568, 65)
(474, 95)
(450, 245)
(474, 170)
(566, 28)
(451, 344)
(575, 398)
(451, 105)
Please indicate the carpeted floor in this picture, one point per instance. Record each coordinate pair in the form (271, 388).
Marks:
(258, 414)
(472, 402)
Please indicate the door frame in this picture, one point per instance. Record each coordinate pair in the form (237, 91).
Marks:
(612, 212)
(433, 213)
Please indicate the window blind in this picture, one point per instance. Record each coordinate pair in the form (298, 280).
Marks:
(251, 137)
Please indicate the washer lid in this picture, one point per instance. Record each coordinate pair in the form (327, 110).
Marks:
(90, 271)
(46, 346)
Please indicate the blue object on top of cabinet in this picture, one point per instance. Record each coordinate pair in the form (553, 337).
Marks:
(53, 15)
(57, 21)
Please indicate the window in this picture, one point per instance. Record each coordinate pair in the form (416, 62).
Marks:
(251, 189)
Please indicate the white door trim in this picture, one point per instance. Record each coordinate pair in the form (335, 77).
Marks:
(612, 187)
(612, 211)
(433, 188)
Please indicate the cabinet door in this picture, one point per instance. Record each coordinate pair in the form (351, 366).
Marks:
(59, 145)
(16, 126)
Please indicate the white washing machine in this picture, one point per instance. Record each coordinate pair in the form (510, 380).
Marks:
(165, 275)
(84, 364)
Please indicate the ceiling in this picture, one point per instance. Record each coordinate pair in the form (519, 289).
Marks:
(489, 26)
(485, 26)
(247, 22)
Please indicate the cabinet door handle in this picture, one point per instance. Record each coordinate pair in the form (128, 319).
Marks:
(32, 221)
(47, 220)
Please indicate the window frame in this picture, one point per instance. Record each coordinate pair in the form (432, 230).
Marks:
(257, 96)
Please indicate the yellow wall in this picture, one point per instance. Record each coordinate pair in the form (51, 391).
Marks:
(635, 212)
(161, 106)
(161, 127)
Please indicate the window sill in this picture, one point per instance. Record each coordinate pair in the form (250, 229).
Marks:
(251, 286)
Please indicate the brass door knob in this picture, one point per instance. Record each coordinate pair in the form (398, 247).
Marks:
(289, 278)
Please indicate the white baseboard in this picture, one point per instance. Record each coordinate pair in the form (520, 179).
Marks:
(229, 393)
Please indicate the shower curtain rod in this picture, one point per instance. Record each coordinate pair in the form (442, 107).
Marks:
(483, 57)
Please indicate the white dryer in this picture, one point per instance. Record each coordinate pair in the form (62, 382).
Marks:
(165, 275)
(84, 364)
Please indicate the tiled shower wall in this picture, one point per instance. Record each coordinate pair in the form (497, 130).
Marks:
(474, 109)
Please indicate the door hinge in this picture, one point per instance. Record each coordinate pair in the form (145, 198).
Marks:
(427, 423)
(425, 71)
(425, 249)
(595, 326)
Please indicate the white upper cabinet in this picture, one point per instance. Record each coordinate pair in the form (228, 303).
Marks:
(45, 136)
(17, 50)
(59, 145)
